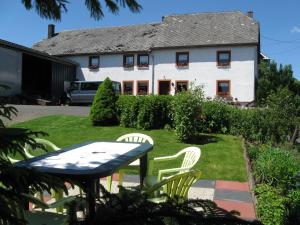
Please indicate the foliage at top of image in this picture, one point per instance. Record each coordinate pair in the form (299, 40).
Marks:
(131, 207)
(52, 9)
(103, 110)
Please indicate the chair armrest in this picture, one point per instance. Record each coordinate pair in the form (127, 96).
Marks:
(165, 158)
(173, 170)
(27, 154)
(158, 159)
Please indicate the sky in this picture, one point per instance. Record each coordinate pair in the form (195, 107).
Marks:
(279, 21)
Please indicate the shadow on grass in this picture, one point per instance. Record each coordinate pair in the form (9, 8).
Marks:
(203, 139)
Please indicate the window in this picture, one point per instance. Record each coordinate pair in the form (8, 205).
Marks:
(128, 61)
(94, 62)
(128, 87)
(223, 88)
(164, 87)
(181, 86)
(182, 58)
(143, 60)
(223, 58)
(142, 87)
(90, 86)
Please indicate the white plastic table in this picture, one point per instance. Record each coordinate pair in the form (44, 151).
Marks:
(90, 161)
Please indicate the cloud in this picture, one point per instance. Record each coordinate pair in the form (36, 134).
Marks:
(295, 29)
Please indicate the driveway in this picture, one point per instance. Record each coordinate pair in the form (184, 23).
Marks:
(28, 112)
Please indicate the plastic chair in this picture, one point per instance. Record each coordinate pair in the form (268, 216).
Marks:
(191, 157)
(132, 137)
(175, 187)
(58, 195)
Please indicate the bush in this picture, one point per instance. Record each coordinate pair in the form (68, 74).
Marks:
(294, 207)
(187, 115)
(250, 123)
(128, 108)
(282, 115)
(145, 112)
(216, 116)
(103, 110)
(275, 166)
(154, 112)
(271, 207)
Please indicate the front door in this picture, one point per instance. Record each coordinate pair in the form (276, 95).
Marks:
(164, 87)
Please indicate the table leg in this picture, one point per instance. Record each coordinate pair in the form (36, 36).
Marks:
(90, 190)
(143, 168)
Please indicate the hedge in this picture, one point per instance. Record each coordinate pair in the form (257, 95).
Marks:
(145, 112)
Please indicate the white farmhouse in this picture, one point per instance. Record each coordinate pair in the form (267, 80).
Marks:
(218, 51)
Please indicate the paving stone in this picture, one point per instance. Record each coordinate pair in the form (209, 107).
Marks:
(131, 179)
(242, 196)
(205, 184)
(232, 185)
(201, 193)
(246, 210)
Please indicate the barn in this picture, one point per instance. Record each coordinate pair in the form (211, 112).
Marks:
(31, 73)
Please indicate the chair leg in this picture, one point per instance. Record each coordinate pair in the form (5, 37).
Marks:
(109, 182)
(58, 195)
(39, 195)
(121, 177)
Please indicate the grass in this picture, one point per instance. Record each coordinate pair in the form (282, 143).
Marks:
(222, 155)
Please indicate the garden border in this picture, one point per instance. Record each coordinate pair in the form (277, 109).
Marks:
(250, 175)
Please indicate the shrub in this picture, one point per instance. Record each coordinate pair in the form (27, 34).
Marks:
(187, 115)
(216, 116)
(128, 108)
(294, 207)
(145, 112)
(282, 114)
(103, 110)
(154, 112)
(271, 207)
(275, 166)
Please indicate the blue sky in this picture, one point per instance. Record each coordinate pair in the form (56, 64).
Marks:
(279, 21)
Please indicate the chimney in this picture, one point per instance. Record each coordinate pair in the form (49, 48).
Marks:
(250, 14)
(51, 30)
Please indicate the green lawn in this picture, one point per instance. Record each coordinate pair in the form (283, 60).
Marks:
(222, 155)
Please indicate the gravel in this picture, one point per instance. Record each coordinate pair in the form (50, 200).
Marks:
(28, 112)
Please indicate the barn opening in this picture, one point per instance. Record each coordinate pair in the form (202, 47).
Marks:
(36, 76)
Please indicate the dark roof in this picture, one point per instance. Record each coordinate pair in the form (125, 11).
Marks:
(202, 29)
(35, 53)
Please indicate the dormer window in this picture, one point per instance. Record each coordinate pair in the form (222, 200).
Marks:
(94, 62)
(143, 60)
(223, 58)
(128, 61)
(182, 59)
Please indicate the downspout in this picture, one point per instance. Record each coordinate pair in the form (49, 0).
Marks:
(153, 73)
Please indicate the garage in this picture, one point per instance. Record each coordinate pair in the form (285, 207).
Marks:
(31, 74)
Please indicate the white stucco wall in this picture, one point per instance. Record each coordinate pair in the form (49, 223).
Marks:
(202, 70)
(10, 71)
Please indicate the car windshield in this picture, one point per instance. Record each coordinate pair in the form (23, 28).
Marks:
(74, 86)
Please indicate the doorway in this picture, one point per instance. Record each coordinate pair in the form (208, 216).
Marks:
(164, 87)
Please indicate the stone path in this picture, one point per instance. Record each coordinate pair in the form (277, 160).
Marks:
(229, 195)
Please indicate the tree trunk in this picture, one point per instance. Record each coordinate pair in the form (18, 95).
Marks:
(295, 136)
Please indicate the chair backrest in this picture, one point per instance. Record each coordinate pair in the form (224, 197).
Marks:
(191, 157)
(45, 143)
(177, 185)
(136, 137)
